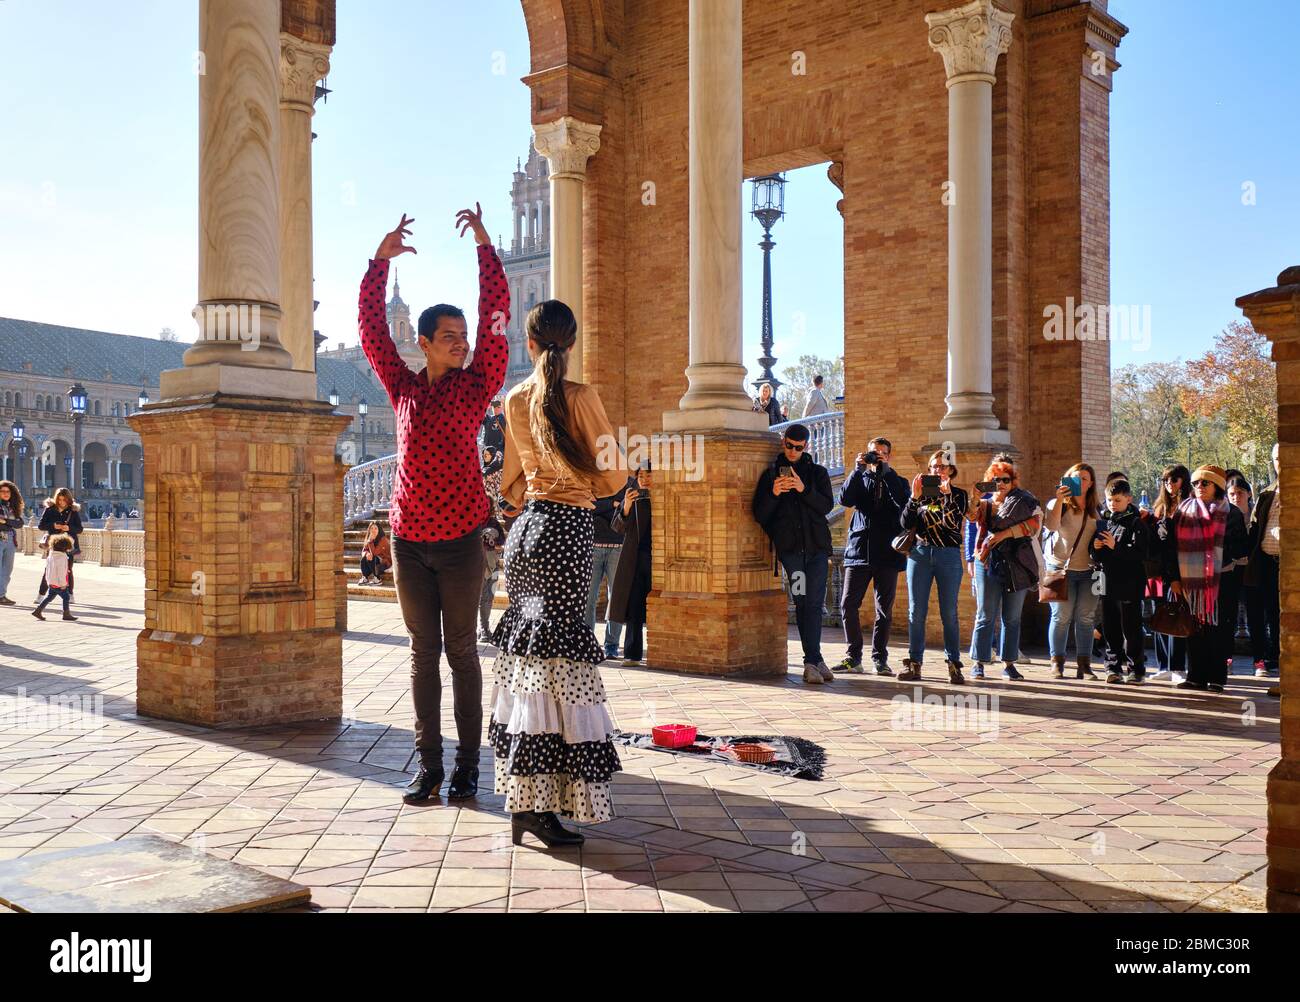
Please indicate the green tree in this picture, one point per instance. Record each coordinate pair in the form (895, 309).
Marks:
(799, 380)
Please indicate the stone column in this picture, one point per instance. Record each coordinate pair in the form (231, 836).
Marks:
(970, 39)
(238, 314)
(302, 63)
(1275, 312)
(716, 607)
(567, 145)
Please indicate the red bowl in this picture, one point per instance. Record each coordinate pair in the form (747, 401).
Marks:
(674, 735)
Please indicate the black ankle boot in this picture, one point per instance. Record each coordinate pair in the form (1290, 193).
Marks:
(546, 826)
(424, 786)
(464, 783)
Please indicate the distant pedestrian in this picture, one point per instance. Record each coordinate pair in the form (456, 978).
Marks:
(11, 520)
(767, 403)
(632, 579)
(1263, 605)
(1119, 547)
(58, 575)
(816, 400)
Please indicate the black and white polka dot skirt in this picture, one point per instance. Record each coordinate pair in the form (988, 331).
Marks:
(550, 728)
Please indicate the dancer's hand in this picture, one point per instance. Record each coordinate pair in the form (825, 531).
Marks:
(393, 244)
(468, 219)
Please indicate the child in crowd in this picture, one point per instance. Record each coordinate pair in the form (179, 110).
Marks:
(57, 567)
(1120, 547)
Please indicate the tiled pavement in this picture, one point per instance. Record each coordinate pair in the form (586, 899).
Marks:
(1087, 798)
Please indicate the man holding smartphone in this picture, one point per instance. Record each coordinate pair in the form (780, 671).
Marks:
(791, 502)
(877, 494)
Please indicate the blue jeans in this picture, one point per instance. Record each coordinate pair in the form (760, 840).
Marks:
(991, 604)
(925, 565)
(604, 561)
(1080, 610)
(810, 599)
(7, 551)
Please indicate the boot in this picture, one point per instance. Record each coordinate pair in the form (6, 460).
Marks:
(464, 783)
(424, 785)
(911, 671)
(1058, 667)
(546, 826)
(954, 673)
(1084, 668)
(69, 617)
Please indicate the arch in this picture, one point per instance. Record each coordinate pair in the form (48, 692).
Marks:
(129, 470)
(18, 399)
(94, 463)
(58, 404)
(567, 31)
(97, 414)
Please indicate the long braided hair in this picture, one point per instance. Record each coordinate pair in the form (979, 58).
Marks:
(552, 326)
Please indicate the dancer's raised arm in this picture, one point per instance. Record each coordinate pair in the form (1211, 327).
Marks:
(491, 347)
(372, 316)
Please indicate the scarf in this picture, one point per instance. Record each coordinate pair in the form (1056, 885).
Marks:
(1199, 529)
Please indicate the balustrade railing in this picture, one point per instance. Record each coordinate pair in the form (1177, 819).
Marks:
(825, 439)
(368, 486)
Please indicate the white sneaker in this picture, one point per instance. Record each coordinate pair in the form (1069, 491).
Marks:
(1177, 677)
(1159, 676)
(812, 674)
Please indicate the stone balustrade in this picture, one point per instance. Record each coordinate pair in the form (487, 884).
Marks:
(368, 486)
(107, 547)
(825, 439)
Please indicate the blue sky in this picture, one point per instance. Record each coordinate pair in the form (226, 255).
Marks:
(98, 187)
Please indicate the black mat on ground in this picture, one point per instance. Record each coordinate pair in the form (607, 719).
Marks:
(795, 757)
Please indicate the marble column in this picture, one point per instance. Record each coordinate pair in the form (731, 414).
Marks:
(302, 63)
(238, 349)
(715, 395)
(567, 145)
(1275, 313)
(970, 39)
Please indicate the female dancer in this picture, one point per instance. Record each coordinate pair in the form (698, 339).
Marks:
(550, 730)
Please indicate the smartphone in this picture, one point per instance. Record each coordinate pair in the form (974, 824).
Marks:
(786, 471)
(986, 487)
(1075, 485)
(929, 486)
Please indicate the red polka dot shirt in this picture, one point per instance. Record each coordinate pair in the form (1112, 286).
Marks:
(438, 490)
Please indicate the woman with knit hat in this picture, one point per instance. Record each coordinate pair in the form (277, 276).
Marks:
(1204, 539)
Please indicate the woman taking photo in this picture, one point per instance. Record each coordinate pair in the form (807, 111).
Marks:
(632, 575)
(935, 559)
(376, 555)
(550, 729)
(11, 520)
(1206, 538)
(1071, 521)
(1003, 565)
(1175, 488)
(63, 514)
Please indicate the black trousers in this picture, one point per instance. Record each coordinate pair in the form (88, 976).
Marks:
(1209, 649)
(1264, 613)
(1121, 624)
(633, 639)
(856, 581)
(438, 588)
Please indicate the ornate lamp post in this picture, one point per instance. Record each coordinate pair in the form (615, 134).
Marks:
(144, 395)
(334, 397)
(77, 404)
(19, 430)
(363, 409)
(768, 207)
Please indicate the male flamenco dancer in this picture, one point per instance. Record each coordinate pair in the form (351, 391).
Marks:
(438, 502)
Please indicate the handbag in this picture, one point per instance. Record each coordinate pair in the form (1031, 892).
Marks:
(1055, 585)
(904, 541)
(1173, 618)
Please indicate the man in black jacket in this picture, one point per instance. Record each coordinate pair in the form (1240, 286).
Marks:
(606, 547)
(877, 495)
(791, 502)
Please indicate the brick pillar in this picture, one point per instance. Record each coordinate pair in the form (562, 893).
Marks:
(716, 607)
(245, 532)
(1275, 312)
(1071, 73)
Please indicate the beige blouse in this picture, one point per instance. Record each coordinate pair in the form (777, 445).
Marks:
(525, 476)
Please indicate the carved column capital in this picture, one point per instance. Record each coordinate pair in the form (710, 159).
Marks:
(970, 38)
(567, 144)
(301, 65)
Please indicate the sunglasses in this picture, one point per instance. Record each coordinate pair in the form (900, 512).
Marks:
(795, 446)
(1202, 483)
(1002, 480)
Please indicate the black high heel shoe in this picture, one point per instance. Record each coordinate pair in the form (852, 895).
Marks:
(424, 786)
(464, 783)
(546, 826)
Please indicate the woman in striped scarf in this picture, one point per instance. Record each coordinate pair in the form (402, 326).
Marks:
(1204, 540)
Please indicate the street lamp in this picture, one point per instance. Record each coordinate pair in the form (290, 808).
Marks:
(768, 206)
(77, 404)
(144, 395)
(363, 409)
(334, 397)
(18, 430)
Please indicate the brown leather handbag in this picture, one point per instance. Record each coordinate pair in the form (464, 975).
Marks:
(904, 541)
(1173, 618)
(1055, 585)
